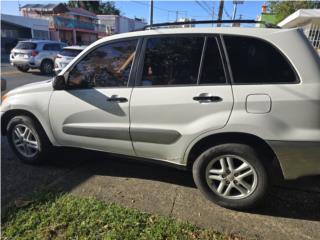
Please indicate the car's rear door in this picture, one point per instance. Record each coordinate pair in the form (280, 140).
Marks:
(94, 111)
(181, 92)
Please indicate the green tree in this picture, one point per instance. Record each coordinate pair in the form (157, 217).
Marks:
(282, 9)
(97, 7)
(109, 8)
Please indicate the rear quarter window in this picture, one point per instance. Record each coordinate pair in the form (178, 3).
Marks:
(254, 61)
(70, 52)
(52, 47)
(26, 45)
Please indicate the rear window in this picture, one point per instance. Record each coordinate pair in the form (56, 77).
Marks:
(26, 45)
(70, 52)
(254, 61)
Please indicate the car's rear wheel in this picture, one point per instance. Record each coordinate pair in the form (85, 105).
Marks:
(27, 139)
(231, 175)
(46, 67)
(23, 68)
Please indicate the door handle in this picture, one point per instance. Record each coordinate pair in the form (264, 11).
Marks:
(117, 99)
(204, 97)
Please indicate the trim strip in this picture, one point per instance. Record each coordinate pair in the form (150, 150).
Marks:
(98, 132)
(159, 136)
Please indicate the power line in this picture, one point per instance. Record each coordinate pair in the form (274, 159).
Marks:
(228, 15)
(162, 9)
(204, 8)
(207, 6)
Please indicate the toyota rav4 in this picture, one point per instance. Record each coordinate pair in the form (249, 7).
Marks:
(232, 104)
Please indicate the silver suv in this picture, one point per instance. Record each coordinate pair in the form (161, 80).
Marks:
(233, 104)
(35, 54)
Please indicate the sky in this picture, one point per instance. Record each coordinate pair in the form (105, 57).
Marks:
(164, 11)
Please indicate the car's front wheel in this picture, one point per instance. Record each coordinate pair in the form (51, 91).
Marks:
(46, 67)
(27, 139)
(231, 175)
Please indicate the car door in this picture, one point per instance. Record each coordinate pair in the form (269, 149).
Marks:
(181, 92)
(93, 112)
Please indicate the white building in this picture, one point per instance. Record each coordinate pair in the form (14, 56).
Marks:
(309, 21)
(39, 28)
(15, 28)
(119, 24)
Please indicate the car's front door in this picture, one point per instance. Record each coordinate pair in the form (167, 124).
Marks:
(93, 112)
(181, 93)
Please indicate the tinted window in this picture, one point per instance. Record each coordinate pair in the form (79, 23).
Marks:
(26, 45)
(70, 52)
(106, 66)
(52, 47)
(255, 61)
(172, 60)
(212, 68)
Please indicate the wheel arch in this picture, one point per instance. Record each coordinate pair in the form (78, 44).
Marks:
(8, 115)
(270, 160)
(47, 59)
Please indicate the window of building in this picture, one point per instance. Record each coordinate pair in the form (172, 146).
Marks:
(255, 61)
(212, 68)
(172, 60)
(106, 66)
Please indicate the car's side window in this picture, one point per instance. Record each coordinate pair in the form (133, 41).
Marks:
(47, 47)
(254, 61)
(106, 66)
(56, 47)
(212, 67)
(172, 60)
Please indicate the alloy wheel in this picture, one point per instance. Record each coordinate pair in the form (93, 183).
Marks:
(25, 141)
(231, 177)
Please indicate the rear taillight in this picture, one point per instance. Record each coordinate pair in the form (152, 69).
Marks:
(34, 53)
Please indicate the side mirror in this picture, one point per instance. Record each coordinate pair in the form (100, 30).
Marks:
(3, 84)
(59, 83)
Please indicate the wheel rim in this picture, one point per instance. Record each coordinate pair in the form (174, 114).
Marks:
(25, 141)
(231, 177)
(47, 67)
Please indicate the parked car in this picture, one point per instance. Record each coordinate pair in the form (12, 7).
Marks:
(35, 54)
(235, 105)
(65, 56)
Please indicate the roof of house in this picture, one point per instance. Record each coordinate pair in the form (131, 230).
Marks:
(300, 17)
(33, 23)
(82, 12)
(60, 8)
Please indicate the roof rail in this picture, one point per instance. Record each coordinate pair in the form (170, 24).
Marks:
(249, 21)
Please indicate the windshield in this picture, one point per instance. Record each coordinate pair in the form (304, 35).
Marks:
(70, 52)
(26, 45)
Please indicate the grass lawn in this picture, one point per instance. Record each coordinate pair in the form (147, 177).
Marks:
(63, 216)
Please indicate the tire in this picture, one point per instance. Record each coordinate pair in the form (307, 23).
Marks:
(23, 69)
(27, 152)
(46, 67)
(208, 176)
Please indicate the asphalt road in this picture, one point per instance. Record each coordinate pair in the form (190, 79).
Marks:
(15, 78)
(291, 210)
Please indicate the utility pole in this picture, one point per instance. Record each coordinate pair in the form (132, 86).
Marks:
(221, 4)
(177, 16)
(235, 5)
(151, 13)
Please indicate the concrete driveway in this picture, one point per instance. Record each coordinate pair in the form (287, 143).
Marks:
(291, 211)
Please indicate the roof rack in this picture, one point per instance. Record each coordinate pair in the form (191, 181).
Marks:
(248, 21)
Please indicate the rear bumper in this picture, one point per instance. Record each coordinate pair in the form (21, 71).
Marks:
(297, 159)
(31, 62)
